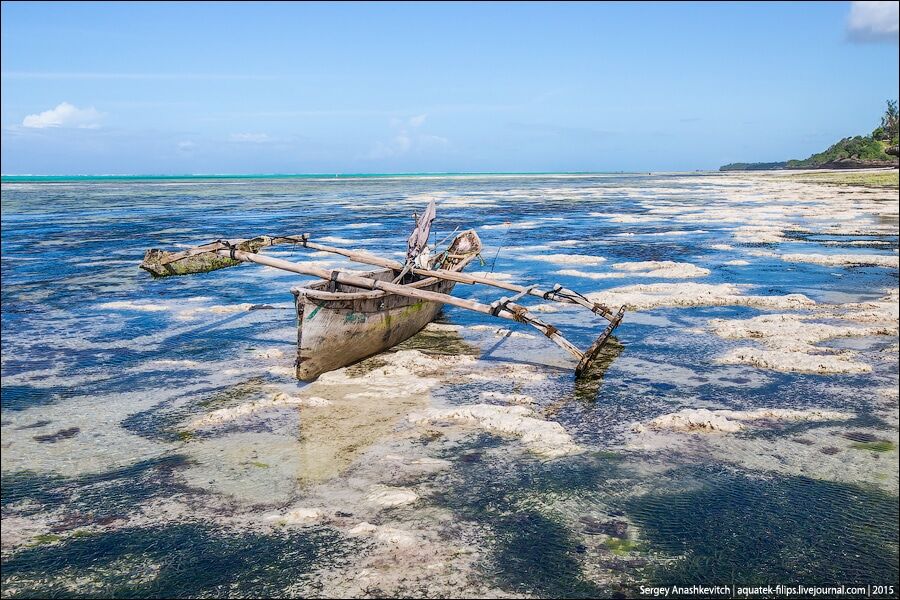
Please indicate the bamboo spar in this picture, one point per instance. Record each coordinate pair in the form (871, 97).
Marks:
(558, 293)
(510, 311)
(594, 307)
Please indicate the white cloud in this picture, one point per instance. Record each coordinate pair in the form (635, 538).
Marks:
(253, 138)
(406, 139)
(873, 21)
(64, 115)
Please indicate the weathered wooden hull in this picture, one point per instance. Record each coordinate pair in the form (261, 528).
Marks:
(340, 327)
(333, 334)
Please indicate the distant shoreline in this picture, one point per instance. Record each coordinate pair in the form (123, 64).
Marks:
(844, 165)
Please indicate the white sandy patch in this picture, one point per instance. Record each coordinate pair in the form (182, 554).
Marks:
(790, 330)
(216, 309)
(269, 353)
(629, 219)
(502, 332)
(442, 327)
(571, 259)
(795, 362)
(729, 421)
(590, 275)
(508, 398)
(164, 362)
(225, 309)
(364, 528)
(675, 233)
(759, 234)
(331, 239)
(282, 371)
(496, 275)
(649, 296)
(885, 310)
(790, 341)
(545, 438)
(386, 496)
(856, 243)
(736, 263)
(544, 308)
(510, 225)
(662, 268)
(514, 371)
(391, 536)
(407, 370)
(361, 225)
(131, 305)
(665, 269)
(298, 516)
(279, 400)
(721, 247)
(875, 260)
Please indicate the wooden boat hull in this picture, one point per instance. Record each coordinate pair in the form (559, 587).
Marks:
(338, 328)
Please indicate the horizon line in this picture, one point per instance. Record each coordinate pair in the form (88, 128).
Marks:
(336, 175)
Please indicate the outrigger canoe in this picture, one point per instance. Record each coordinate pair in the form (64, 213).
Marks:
(339, 324)
(346, 317)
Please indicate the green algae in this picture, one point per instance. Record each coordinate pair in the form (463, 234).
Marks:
(45, 538)
(94, 496)
(623, 547)
(234, 394)
(876, 446)
(439, 342)
(533, 551)
(755, 530)
(186, 560)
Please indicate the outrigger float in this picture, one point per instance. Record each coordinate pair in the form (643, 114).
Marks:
(344, 317)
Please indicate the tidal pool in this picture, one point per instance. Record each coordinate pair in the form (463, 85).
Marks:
(741, 428)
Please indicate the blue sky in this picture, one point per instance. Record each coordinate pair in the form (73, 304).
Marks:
(327, 88)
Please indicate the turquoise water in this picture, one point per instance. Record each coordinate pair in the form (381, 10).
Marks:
(107, 491)
(260, 176)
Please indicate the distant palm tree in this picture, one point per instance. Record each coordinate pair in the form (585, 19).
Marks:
(889, 120)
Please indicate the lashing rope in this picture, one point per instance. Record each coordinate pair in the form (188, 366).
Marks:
(231, 248)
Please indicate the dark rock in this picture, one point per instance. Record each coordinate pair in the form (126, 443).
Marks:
(471, 457)
(34, 425)
(860, 436)
(62, 434)
(830, 450)
(613, 527)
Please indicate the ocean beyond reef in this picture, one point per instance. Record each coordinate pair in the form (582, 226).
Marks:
(743, 427)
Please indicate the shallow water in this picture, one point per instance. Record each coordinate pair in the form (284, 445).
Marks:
(108, 488)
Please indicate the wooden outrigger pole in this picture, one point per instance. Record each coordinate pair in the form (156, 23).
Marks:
(159, 266)
(222, 253)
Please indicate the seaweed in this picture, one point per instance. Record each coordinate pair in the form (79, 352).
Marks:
(752, 530)
(92, 497)
(532, 552)
(187, 560)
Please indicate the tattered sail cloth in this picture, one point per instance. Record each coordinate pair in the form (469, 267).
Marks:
(418, 239)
